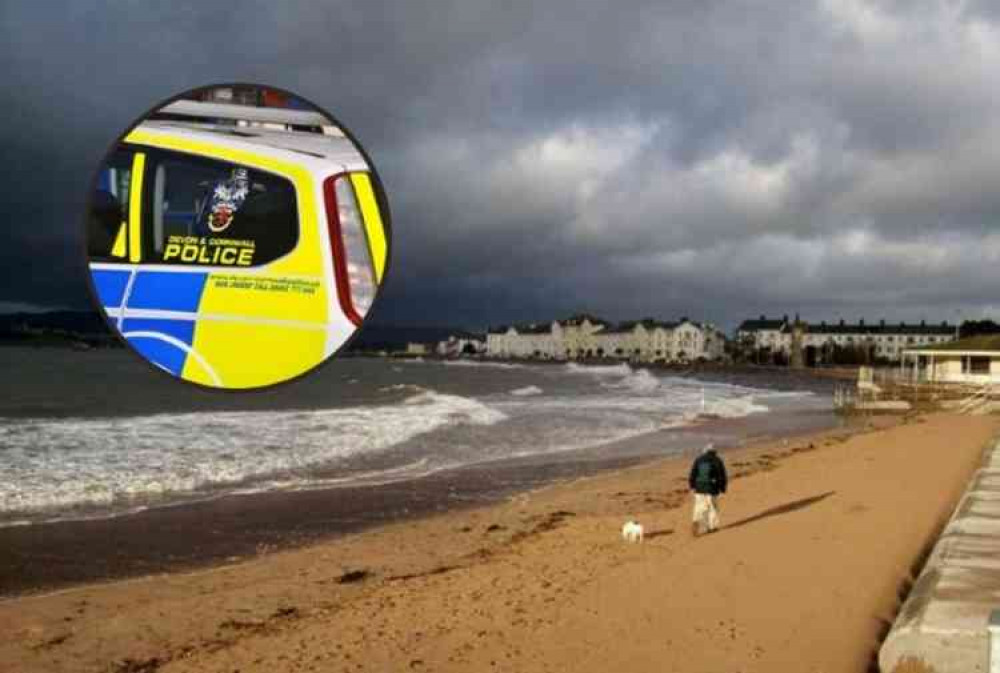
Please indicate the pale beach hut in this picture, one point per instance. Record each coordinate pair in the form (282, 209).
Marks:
(971, 360)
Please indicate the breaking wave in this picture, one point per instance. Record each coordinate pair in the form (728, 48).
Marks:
(483, 363)
(80, 467)
(112, 462)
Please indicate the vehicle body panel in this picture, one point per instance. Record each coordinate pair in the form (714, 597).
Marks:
(227, 325)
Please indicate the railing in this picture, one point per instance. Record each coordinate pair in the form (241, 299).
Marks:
(979, 398)
(881, 387)
(844, 399)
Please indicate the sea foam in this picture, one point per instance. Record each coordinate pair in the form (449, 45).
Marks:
(68, 463)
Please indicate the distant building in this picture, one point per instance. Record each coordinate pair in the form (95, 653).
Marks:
(461, 344)
(882, 340)
(762, 333)
(416, 349)
(520, 341)
(574, 337)
(586, 336)
(971, 360)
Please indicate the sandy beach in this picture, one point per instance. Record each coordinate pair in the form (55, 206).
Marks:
(821, 536)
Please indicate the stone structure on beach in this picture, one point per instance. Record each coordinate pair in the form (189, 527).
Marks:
(796, 358)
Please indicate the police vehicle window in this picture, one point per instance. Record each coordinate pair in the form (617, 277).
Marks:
(107, 229)
(213, 213)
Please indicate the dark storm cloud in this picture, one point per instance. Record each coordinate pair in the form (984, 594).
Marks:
(718, 160)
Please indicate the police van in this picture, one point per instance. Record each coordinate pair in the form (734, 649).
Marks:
(236, 246)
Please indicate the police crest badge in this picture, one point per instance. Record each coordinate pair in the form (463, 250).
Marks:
(227, 197)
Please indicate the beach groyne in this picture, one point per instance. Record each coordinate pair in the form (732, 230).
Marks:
(943, 622)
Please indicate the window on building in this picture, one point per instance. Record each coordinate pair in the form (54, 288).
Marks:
(976, 365)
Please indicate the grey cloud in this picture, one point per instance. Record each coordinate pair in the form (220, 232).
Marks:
(659, 158)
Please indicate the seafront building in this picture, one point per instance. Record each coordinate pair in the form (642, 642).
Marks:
(585, 336)
(819, 341)
(971, 360)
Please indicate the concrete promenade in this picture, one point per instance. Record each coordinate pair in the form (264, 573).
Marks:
(943, 622)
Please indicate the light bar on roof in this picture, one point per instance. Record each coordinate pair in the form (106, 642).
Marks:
(190, 108)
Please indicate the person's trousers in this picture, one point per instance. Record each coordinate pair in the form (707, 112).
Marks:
(705, 511)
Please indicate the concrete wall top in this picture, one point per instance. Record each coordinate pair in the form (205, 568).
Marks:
(943, 621)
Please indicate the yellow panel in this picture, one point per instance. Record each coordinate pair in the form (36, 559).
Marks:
(264, 295)
(249, 356)
(306, 258)
(373, 221)
(292, 288)
(135, 209)
(193, 371)
(118, 249)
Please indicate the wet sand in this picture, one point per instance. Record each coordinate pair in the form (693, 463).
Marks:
(820, 537)
(40, 558)
(44, 557)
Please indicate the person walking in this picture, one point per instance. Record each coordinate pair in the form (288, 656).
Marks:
(707, 481)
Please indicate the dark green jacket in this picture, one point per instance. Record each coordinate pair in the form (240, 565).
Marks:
(708, 474)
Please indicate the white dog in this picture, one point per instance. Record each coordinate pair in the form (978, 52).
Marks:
(632, 531)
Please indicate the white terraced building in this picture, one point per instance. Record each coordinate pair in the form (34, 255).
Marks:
(584, 336)
(887, 340)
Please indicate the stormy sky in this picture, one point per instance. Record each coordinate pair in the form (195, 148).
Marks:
(719, 160)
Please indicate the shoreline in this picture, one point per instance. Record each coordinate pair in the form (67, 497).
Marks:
(173, 538)
(842, 372)
(508, 582)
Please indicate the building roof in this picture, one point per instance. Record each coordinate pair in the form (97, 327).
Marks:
(533, 328)
(762, 323)
(523, 328)
(647, 323)
(609, 328)
(462, 334)
(882, 327)
(978, 344)
(578, 319)
(622, 328)
(700, 325)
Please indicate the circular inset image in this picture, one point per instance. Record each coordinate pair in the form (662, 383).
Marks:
(237, 236)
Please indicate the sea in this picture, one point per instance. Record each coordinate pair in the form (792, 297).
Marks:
(97, 434)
